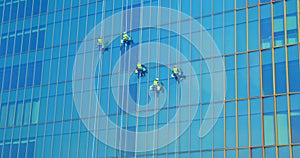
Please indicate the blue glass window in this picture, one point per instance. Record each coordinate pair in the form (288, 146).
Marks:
(269, 126)
(1, 78)
(282, 120)
(265, 26)
(229, 5)
(280, 70)
(185, 7)
(291, 21)
(219, 154)
(278, 24)
(3, 45)
(3, 115)
(244, 153)
(296, 151)
(253, 38)
(230, 125)
(284, 151)
(36, 7)
(1, 14)
(41, 39)
(218, 133)
(207, 139)
(230, 78)
(254, 63)
(240, 3)
(243, 123)
(208, 8)
(256, 122)
(218, 32)
(295, 116)
(29, 7)
(294, 68)
(196, 12)
(44, 5)
(270, 152)
(7, 78)
(252, 2)
(230, 153)
(242, 76)
(264, 1)
(21, 10)
(206, 154)
(229, 33)
(267, 72)
(257, 152)
(6, 13)
(218, 6)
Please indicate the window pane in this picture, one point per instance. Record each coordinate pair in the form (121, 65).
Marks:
(218, 133)
(219, 154)
(207, 5)
(244, 153)
(278, 24)
(207, 154)
(35, 111)
(282, 120)
(291, 21)
(218, 6)
(26, 113)
(254, 64)
(229, 5)
(269, 128)
(253, 29)
(243, 123)
(280, 70)
(295, 117)
(265, 25)
(3, 116)
(229, 33)
(256, 122)
(240, 3)
(195, 8)
(294, 68)
(296, 151)
(257, 153)
(270, 152)
(230, 78)
(230, 125)
(242, 76)
(241, 30)
(230, 153)
(11, 115)
(19, 114)
(267, 72)
(252, 2)
(284, 152)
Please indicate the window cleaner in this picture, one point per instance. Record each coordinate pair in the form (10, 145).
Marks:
(140, 70)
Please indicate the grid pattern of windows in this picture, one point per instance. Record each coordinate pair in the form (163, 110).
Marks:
(258, 40)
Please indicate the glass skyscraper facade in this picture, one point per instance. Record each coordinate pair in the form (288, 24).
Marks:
(246, 50)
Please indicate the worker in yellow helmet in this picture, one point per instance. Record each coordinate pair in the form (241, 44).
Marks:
(175, 72)
(156, 85)
(140, 70)
(100, 43)
(126, 39)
